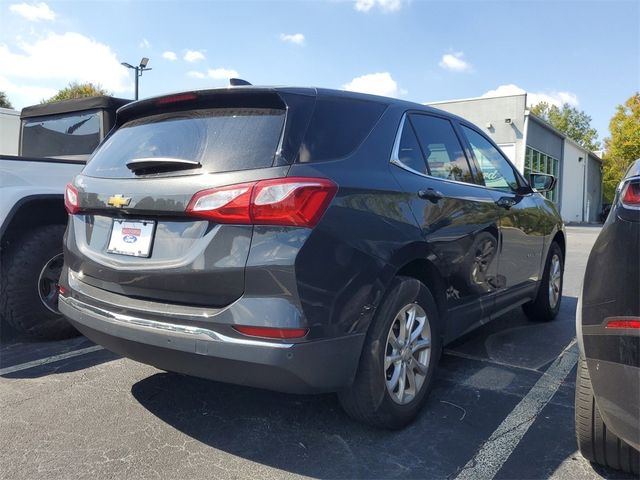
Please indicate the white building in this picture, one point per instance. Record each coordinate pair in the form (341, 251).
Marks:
(535, 146)
(9, 131)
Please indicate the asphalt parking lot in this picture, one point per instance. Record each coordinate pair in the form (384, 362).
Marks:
(502, 407)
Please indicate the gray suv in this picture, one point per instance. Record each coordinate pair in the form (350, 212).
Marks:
(303, 240)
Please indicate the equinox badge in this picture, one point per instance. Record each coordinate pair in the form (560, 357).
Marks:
(119, 201)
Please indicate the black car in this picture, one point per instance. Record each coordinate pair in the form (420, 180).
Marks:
(303, 240)
(608, 327)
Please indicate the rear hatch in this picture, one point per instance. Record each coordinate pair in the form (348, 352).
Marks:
(131, 232)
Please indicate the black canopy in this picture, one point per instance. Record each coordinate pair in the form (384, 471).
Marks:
(74, 105)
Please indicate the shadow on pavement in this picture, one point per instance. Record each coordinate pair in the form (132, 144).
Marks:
(311, 435)
(549, 446)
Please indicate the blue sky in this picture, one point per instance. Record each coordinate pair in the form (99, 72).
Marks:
(586, 53)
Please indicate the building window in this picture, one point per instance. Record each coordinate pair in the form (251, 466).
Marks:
(538, 162)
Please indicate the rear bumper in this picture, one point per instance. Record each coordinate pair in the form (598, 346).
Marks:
(307, 367)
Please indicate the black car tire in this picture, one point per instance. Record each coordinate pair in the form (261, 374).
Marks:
(595, 442)
(368, 399)
(540, 308)
(20, 304)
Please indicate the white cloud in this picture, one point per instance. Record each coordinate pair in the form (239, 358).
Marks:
(24, 95)
(193, 56)
(169, 55)
(455, 62)
(384, 5)
(194, 74)
(375, 83)
(552, 97)
(295, 38)
(53, 61)
(144, 43)
(222, 73)
(33, 12)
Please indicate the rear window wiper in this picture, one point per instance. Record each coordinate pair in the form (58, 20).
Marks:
(153, 164)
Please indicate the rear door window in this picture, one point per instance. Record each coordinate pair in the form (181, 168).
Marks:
(338, 126)
(221, 139)
(442, 149)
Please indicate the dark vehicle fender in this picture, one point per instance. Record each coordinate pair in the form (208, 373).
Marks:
(415, 260)
(553, 229)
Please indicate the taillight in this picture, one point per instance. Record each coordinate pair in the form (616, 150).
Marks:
(292, 201)
(180, 97)
(631, 195)
(268, 332)
(71, 202)
(224, 205)
(623, 322)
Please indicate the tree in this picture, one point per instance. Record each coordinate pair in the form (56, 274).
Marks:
(78, 90)
(623, 145)
(574, 123)
(4, 101)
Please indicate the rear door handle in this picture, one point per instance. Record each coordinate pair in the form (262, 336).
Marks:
(431, 194)
(506, 202)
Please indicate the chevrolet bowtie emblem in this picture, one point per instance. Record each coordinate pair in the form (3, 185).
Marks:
(119, 201)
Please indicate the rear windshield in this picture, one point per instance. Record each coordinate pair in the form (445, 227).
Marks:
(221, 139)
(59, 135)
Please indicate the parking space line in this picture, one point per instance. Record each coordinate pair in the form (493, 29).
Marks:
(503, 441)
(52, 359)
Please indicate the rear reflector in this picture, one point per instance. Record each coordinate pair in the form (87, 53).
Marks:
(267, 332)
(624, 322)
(291, 201)
(631, 195)
(71, 202)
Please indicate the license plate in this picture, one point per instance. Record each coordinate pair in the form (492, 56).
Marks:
(132, 238)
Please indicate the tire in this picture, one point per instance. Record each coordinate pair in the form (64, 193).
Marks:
(21, 305)
(595, 442)
(542, 309)
(369, 399)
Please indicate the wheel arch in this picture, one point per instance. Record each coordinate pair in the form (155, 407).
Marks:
(561, 241)
(426, 272)
(33, 211)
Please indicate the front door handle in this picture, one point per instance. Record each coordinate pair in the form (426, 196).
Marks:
(431, 194)
(506, 202)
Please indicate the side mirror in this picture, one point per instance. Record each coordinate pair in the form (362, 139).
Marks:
(542, 182)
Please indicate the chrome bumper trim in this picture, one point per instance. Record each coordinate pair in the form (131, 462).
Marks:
(153, 326)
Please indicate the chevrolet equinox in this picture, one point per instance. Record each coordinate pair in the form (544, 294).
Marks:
(304, 240)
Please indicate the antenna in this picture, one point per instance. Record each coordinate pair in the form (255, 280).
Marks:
(235, 82)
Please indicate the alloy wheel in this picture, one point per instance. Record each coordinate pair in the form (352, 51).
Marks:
(48, 282)
(555, 281)
(407, 353)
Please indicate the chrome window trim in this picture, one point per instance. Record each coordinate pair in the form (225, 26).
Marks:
(396, 161)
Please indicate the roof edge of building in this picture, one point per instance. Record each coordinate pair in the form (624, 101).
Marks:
(470, 99)
(546, 124)
(10, 111)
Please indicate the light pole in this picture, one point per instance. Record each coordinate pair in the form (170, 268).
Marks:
(139, 69)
